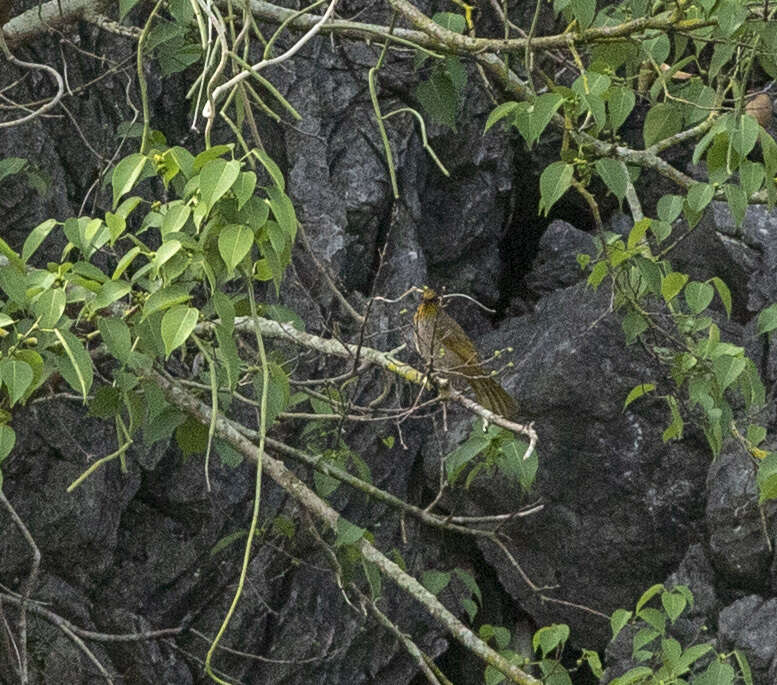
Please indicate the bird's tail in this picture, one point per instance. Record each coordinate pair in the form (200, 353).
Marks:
(494, 397)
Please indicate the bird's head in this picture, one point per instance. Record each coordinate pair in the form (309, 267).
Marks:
(429, 296)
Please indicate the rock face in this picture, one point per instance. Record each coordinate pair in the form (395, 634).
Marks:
(621, 510)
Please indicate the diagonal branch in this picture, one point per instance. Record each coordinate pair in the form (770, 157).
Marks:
(337, 348)
(322, 511)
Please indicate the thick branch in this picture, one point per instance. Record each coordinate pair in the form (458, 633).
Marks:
(322, 511)
(337, 348)
(663, 22)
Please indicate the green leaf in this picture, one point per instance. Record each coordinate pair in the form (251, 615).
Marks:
(644, 637)
(699, 196)
(657, 48)
(216, 178)
(7, 441)
(11, 166)
(756, 434)
(737, 202)
(767, 319)
(751, 176)
(648, 594)
(638, 391)
(691, 655)
(278, 391)
(124, 262)
(723, 293)
(106, 402)
(272, 168)
(125, 6)
(555, 180)
(283, 211)
(283, 525)
(675, 428)
(227, 540)
(539, 113)
(463, 454)
(744, 666)
(703, 99)
(471, 584)
(126, 175)
(180, 158)
(36, 236)
(717, 673)
(439, 98)
(165, 298)
(620, 102)
(744, 135)
(613, 172)
(662, 120)
(650, 272)
(347, 533)
(49, 307)
(584, 11)
(698, 296)
(491, 676)
(162, 425)
(206, 156)
(501, 111)
(633, 325)
(278, 238)
(13, 283)
(177, 325)
(618, 620)
(282, 314)
(594, 663)
(224, 309)
(661, 230)
(17, 377)
(674, 604)
(766, 478)
(452, 22)
(175, 218)
(731, 14)
(637, 233)
(75, 364)
(727, 369)
(720, 56)
(235, 241)
(435, 581)
(192, 437)
(672, 284)
(116, 336)
(110, 292)
(244, 187)
(669, 207)
(35, 362)
(372, 573)
(116, 225)
(548, 638)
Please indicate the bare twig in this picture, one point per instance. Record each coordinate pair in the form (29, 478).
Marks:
(32, 579)
(293, 50)
(321, 510)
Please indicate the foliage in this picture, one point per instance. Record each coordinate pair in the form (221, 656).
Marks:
(167, 278)
(662, 659)
(670, 315)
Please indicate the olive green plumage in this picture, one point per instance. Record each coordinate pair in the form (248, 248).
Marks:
(445, 345)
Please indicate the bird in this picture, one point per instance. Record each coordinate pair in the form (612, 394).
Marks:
(446, 348)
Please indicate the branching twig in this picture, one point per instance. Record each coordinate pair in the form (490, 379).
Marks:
(29, 585)
(322, 511)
